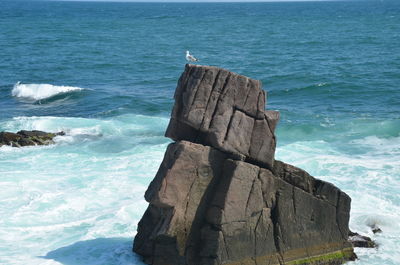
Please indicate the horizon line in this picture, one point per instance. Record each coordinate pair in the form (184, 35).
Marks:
(205, 1)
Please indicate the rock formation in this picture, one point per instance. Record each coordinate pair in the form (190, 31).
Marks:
(26, 138)
(220, 197)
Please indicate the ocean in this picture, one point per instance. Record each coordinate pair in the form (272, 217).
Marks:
(105, 73)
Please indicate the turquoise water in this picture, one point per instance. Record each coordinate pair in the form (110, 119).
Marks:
(105, 73)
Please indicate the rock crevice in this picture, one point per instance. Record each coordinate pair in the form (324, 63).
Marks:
(220, 197)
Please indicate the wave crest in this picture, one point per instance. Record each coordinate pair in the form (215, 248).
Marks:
(40, 91)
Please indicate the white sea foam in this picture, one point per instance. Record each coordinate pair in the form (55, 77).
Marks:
(369, 175)
(78, 202)
(136, 127)
(40, 91)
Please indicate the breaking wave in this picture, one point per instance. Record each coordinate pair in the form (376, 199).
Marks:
(40, 91)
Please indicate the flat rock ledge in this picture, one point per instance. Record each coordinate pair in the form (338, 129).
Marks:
(27, 138)
(220, 197)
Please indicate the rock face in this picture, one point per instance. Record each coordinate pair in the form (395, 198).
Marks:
(220, 197)
(224, 110)
(26, 138)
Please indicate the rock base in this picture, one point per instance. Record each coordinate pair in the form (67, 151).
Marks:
(206, 208)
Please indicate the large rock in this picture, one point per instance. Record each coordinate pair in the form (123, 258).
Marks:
(226, 200)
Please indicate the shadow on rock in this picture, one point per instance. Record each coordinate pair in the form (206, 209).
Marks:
(96, 252)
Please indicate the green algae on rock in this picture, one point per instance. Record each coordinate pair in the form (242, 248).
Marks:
(27, 138)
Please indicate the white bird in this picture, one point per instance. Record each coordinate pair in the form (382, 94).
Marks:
(190, 57)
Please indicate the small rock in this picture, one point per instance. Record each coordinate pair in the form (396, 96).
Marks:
(360, 241)
(376, 230)
(27, 138)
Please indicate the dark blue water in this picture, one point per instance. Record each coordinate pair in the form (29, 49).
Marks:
(332, 69)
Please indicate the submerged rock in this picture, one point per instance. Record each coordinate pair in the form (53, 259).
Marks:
(376, 230)
(220, 197)
(27, 138)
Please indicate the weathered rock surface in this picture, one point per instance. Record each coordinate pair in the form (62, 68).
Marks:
(220, 197)
(224, 110)
(27, 138)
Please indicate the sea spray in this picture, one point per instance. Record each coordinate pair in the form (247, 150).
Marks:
(368, 171)
(88, 186)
